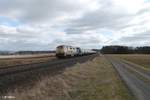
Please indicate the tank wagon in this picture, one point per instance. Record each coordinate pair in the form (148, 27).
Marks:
(66, 51)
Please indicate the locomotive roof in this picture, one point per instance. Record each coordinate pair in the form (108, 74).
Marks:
(65, 45)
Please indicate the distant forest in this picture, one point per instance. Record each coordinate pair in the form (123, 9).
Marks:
(33, 52)
(24, 52)
(125, 50)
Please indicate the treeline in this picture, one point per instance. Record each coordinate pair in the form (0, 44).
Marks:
(125, 50)
(24, 52)
(5, 52)
(33, 52)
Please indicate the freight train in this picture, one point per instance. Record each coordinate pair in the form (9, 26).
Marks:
(70, 51)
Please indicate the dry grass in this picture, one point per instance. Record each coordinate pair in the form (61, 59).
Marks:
(141, 59)
(16, 61)
(93, 80)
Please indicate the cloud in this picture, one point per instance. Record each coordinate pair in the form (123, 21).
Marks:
(43, 10)
(138, 39)
(44, 24)
(112, 14)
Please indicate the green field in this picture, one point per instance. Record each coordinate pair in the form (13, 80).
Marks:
(92, 80)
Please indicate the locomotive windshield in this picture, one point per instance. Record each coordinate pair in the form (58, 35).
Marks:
(60, 47)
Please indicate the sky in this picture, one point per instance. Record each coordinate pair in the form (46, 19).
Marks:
(45, 24)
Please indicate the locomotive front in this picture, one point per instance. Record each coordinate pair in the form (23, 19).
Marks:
(60, 52)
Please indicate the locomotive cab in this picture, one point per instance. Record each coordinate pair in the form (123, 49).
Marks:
(60, 52)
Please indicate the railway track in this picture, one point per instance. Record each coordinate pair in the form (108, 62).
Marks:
(17, 65)
(4, 62)
(27, 67)
(12, 75)
(23, 67)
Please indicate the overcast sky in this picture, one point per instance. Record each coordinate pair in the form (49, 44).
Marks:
(45, 24)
